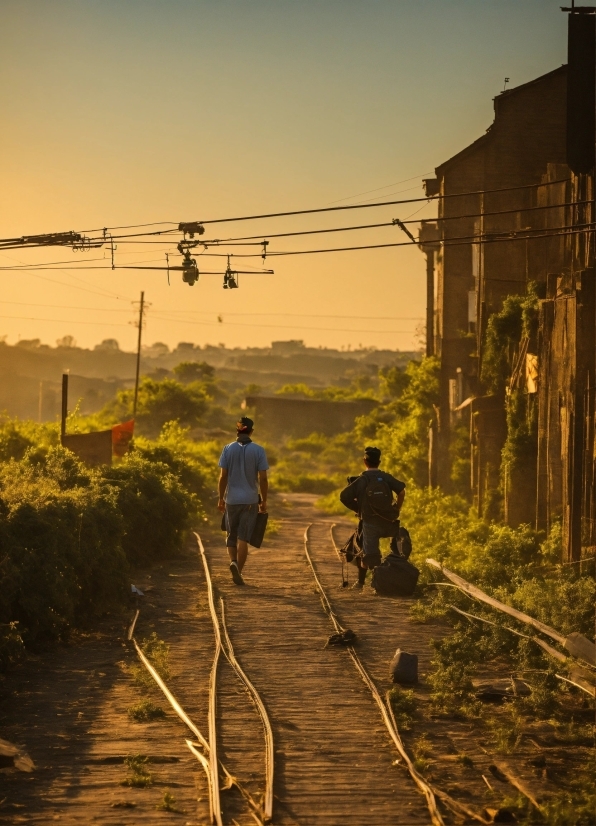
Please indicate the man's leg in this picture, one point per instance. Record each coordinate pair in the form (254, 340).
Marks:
(242, 553)
(371, 535)
(361, 574)
(232, 519)
(246, 526)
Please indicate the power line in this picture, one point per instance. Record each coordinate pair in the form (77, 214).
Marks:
(389, 194)
(267, 235)
(378, 189)
(71, 307)
(65, 320)
(161, 315)
(483, 238)
(379, 203)
(455, 242)
(283, 327)
(299, 315)
(385, 224)
(104, 294)
(320, 209)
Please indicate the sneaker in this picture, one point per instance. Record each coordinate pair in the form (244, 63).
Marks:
(357, 586)
(236, 575)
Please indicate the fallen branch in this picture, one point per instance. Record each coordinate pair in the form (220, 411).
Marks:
(503, 768)
(577, 645)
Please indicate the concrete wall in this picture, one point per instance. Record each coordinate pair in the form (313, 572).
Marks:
(279, 416)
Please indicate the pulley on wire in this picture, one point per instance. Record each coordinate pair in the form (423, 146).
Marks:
(230, 281)
(190, 271)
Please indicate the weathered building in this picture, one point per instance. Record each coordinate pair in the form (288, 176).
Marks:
(515, 271)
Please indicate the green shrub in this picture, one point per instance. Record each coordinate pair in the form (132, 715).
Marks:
(303, 482)
(160, 402)
(146, 712)
(68, 534)
(400, 429)
(60, 536)
(155, 507)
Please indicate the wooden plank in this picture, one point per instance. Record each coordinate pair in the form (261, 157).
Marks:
(577, 645)
(507, 609)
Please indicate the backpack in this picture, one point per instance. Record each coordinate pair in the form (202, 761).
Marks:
(395, 577)
(402, 543)
(352, 548)
(378, 499)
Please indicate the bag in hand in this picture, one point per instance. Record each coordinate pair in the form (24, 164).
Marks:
(258, 534)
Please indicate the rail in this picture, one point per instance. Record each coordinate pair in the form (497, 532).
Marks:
(228, 651)
(205, 748)
(430, 791)
(422, 785)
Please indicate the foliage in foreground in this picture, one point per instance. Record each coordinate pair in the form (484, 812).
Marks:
(68, 534)
(517, 566)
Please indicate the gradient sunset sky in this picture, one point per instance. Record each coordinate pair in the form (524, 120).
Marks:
(118, 112)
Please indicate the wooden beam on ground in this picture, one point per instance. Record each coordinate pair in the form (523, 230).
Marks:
(577, 645)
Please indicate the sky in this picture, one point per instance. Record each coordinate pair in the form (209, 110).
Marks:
(128, 112)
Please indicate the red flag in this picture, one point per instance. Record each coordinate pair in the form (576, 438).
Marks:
(121, 437)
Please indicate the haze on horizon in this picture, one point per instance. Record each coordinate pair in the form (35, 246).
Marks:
(126, 112)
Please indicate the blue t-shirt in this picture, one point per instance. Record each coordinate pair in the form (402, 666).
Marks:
(243, 462)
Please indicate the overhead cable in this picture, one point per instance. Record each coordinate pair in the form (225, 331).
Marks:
(516, 235)
(267, 235)
(378, 204)
(455, 242)
(156, 316)
(328, 209)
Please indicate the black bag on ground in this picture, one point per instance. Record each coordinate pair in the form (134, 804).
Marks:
(395, 577)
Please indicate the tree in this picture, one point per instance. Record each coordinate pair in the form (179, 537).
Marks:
(189, 371)
(66, 341)
(160, 402)
(108, 344)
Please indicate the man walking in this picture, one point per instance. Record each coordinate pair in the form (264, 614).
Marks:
(243, 471)
(370, 495)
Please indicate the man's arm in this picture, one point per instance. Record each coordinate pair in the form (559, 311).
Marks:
(221, 487)
(264, 486)
(349, 496)
(400, 499)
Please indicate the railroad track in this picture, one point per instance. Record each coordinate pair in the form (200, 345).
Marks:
(430, 792)
(205, 748)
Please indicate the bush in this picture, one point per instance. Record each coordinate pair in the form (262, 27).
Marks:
(155, 507)
(68, 535)
(60, 541)
(160, 402)
(400, 429)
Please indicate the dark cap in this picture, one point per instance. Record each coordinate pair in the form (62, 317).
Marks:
(372, 455)
(245, 425)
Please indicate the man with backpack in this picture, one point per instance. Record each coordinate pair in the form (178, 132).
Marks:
(370, 495)
(243, 470)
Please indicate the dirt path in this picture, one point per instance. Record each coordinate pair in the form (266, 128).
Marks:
(333, 757)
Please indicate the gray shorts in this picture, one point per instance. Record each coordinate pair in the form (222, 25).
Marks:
(240, 523)
(371, 534)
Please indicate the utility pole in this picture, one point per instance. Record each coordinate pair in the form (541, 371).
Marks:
(428, 238)
(64, 405)
(141, 311)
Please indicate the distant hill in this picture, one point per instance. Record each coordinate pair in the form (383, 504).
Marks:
(30, 372)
